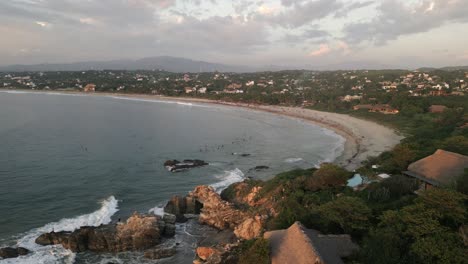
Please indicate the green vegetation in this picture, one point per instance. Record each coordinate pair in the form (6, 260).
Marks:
(255, 251)
(390, 222)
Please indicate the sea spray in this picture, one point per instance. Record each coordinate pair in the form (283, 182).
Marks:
(57, 254)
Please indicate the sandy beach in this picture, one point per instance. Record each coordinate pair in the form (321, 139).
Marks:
(363, 138)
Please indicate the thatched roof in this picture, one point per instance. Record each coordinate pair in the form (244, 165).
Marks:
(441, 168)
(300, 245)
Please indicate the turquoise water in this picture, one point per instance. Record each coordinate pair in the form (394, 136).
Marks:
(73, 160)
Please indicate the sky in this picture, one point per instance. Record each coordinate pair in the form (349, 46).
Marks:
(393, 33)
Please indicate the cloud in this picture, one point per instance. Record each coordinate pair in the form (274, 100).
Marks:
(343, 47)
(299, 13)
(88, 21)
(396, 18)
(311, 35)
(42, 24)
(322, 50)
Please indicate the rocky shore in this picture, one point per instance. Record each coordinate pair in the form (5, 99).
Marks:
(138, 233)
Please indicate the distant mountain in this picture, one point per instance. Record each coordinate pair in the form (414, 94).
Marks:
(449, 68)
(166, 63)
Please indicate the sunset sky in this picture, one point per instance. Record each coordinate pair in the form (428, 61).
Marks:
(396, 33)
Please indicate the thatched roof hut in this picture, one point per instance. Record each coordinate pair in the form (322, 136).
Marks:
(441, 168)
(300, 245)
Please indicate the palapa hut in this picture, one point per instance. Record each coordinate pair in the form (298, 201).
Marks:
(299, 245)
(440, 169)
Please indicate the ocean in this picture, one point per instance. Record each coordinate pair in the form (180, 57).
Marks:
(69, 160)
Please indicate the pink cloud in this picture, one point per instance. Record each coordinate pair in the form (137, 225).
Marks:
(344, 47)
(323, 49)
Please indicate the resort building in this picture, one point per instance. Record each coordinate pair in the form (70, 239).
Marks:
(440, 169)
(437, 108)
(378, 108)
(89, 88)
(300, 245)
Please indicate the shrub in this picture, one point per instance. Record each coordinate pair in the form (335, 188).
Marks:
(255, 251)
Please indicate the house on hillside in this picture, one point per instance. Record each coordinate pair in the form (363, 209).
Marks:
(300, 245)
(89, 88)
(384, 109)
(378, 108)
(437, 108)
(437, 93)
(439, 169)
(365, 107)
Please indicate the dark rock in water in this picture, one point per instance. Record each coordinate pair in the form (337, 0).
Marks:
(258, 168)
(138, 233)
(179, 206)
(168, 227)
(10, 252)
(176, 166)
(159, 253)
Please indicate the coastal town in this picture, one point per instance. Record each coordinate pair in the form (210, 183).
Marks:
(330, 90)
(362, 209)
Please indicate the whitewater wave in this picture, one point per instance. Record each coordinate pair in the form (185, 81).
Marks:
(14, 92)
(158, 210)
(228, 178)
(40, 92)
(293, 160)
(336, 150)
(57, 254)
(157, 101)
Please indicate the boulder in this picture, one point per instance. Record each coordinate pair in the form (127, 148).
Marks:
(176, 166)
(10, 252)
(138, 233)
(205, 252)
(159, 253)
(259, 168)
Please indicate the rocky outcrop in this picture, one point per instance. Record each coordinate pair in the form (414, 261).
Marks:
(160, 252)
(179, 206)
(215, 212)
(217, 248)
(10, 252)
(249, 228)
(138, 233)
(176, 166)
(259, 168)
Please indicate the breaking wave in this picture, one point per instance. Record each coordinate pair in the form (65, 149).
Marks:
(228, 178)
(57, 254)
(157, 101)
(293, 160)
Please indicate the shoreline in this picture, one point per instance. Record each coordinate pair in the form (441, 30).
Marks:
(362, 138)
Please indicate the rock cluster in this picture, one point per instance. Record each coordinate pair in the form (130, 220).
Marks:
(176, 166)
(179, 206)
(138, 233)
(10, 252)
(216, 212)
(217, 248)
(160, 252)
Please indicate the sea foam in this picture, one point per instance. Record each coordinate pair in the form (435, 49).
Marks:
(57, 254)
(228, 178)
(156, 101)
(293, 160)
